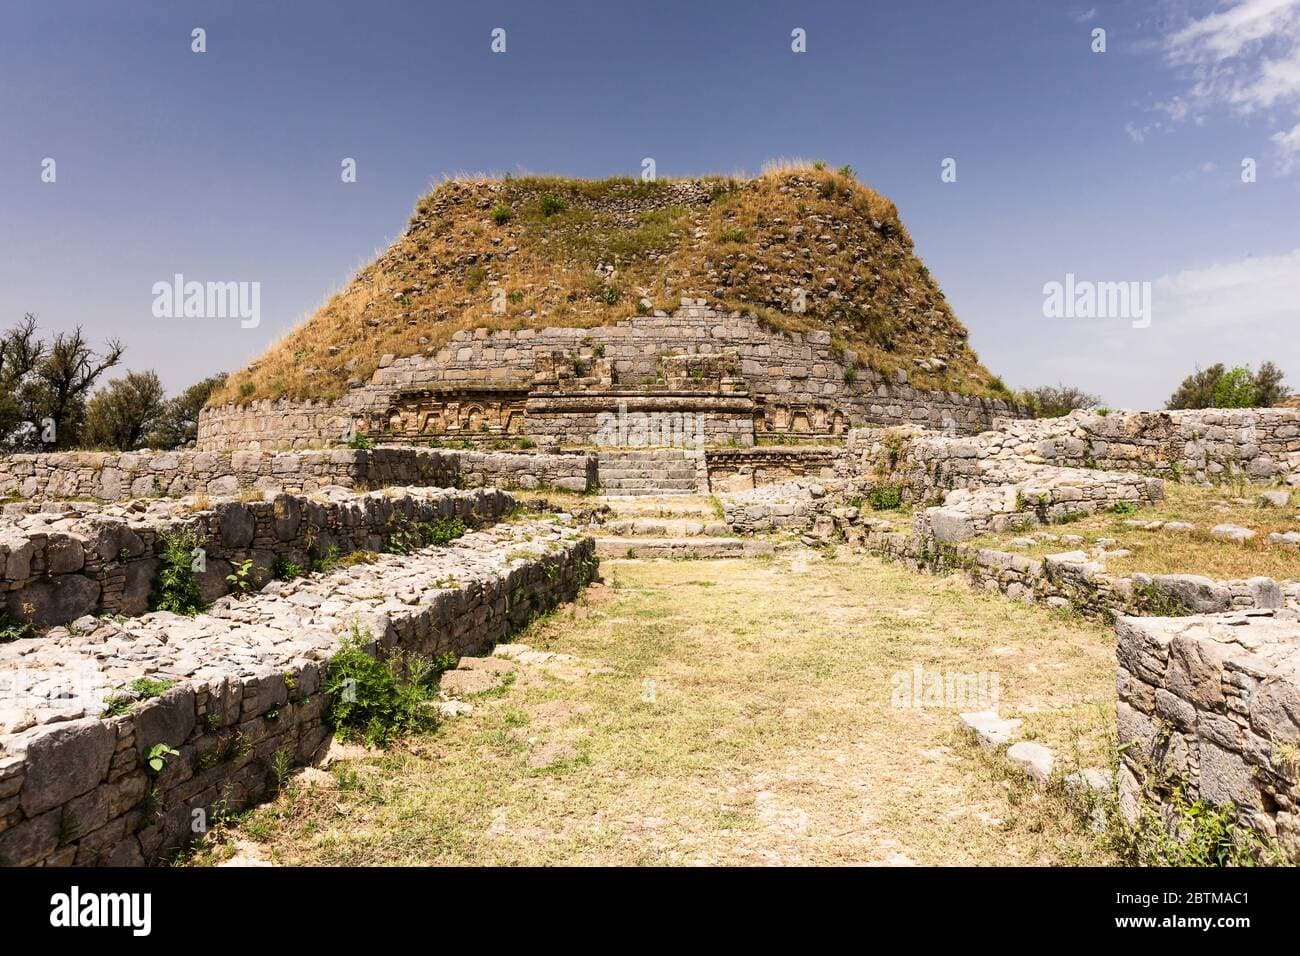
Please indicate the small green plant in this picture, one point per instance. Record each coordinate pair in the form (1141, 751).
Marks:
(378, 700)
(282, 767)
(850, 375)
(176, 588)
(146, 688)
(551, 205)
(885, 497)
(360, 442)
(1125, 508)
(13, 628)
(244, 577)
(734, 234)
(819, 165)
(115, 705)
(282, 569)
(849, 171)
(157, 757)
(405, 537)
(325, 561)
(502, 214)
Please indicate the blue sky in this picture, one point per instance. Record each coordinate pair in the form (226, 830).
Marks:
(225, 165)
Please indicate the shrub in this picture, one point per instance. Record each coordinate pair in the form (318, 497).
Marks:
(1220, 387)
(1125, 508)
(885, 497)
(378, 700)
(502, 214)
(282, 569)
(1236, 389)
(551, 205)
(1053, 401)
(176, 588)
(732, 235)
(360, 441)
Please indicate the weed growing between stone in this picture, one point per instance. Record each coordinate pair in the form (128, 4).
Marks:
(176, 588)
(405, 536)
(379, 700)
(12, 628)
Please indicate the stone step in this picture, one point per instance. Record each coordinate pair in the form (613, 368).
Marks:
(651, 455)
(696, 547)
(673, 483)
(638, 492)
(607, 474)
(656, 506)
(665, 528)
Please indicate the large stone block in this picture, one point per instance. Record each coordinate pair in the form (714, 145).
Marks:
(55, 600)
(66, 762)
(167, 719)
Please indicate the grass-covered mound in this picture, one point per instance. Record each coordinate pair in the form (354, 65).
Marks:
(581, 253)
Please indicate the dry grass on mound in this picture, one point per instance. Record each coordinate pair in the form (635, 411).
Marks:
(581, 253)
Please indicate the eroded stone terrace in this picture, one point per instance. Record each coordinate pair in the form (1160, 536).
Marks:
(247, 699)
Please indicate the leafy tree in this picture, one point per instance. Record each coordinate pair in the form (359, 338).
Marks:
(121, 415)
(1235, 389)
(178, 425)
(1221, 387)
(1269, 390)
(1053, 401)
(47, 384)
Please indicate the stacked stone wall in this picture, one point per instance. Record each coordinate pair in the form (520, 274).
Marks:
(120, 476)
(56, 567)
(1213, 703)
(788, 374)
(250, 701)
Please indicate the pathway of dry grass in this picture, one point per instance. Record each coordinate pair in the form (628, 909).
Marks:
(739, 712)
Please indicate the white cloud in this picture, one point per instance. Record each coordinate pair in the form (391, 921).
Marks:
(1245, 292)
(1085, 15)
(1288, 147)
(1242, 59)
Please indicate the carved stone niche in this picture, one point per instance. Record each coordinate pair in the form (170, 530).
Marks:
(714, 372)
(567, 372)
(800, 420)
(455, 412)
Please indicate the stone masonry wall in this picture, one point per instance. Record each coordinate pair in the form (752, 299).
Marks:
(119, 476)
(249, 700)
(737, 469)
(1214, 702)
(56, 567)
(1259, 444)
(783, 371)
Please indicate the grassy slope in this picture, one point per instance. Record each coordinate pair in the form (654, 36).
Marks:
(743, 243)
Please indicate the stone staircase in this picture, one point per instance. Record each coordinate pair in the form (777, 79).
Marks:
(669, 525)
(660, 471)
